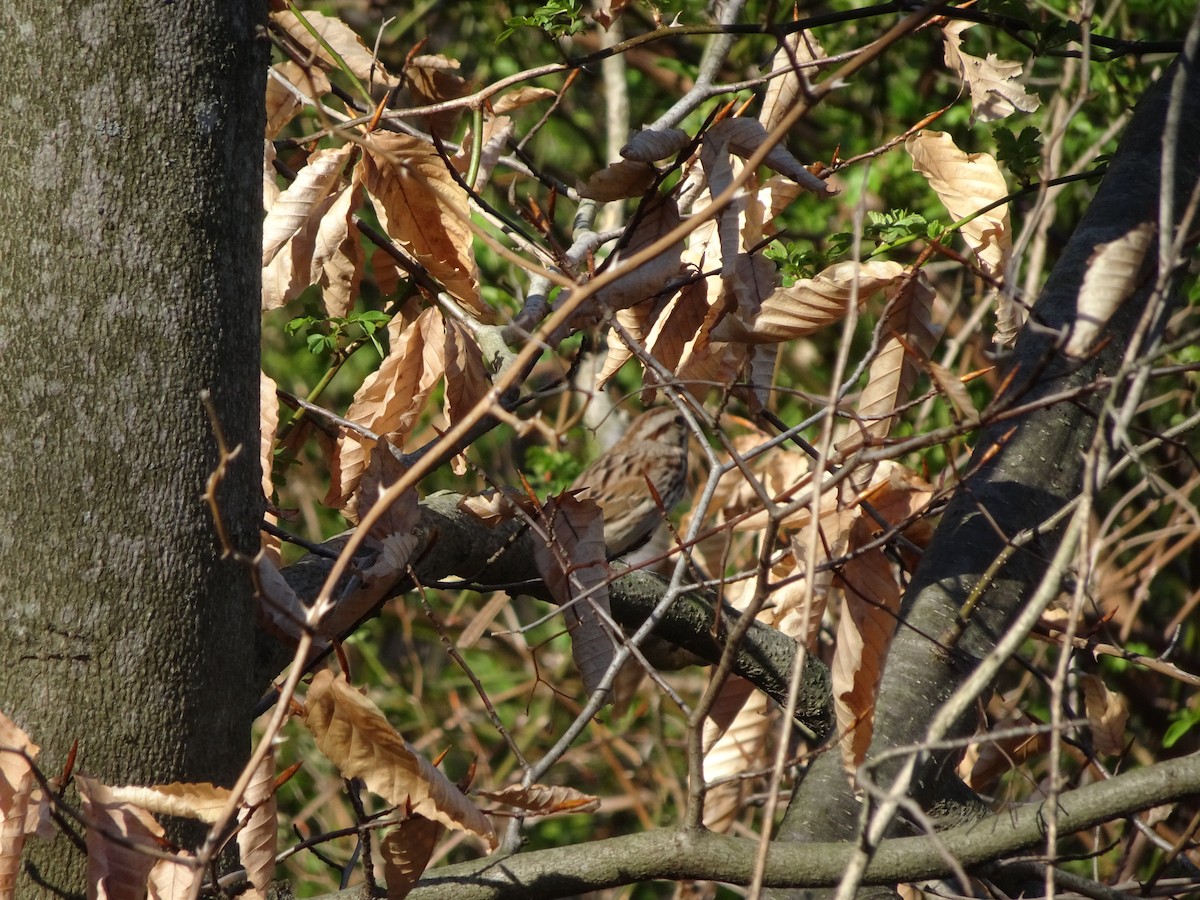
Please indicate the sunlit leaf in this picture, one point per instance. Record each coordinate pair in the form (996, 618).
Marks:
(425, 210)
(994, 83)
(115, 868)
(352, 732)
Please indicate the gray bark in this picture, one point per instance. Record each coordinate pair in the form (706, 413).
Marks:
(129, 233)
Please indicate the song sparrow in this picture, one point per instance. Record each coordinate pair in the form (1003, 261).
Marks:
(653, 451)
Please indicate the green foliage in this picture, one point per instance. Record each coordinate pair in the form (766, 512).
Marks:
(331, 335)
(1020, 152)
(551, 469)
(558, 18)
(1182, 721)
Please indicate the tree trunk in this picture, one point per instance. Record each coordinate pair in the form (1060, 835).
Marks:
(129, 257)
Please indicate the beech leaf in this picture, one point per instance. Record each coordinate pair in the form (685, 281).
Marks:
(571, 561)
(1110, 278)
(425, 210)
(356, 737)
(543, 800)
(994, 83)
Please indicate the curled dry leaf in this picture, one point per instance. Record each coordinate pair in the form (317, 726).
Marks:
(116, 869)
(391, 536)
(175, 879)
(811, 303)
(797, 49)
(965, 183)
(618, 181)
(202, 802)
(16, 787)
(955, 391)
(871, 602)
(338, 35)
(422, 207)
(649, 146)
(389, 400)
(354, 734)
(495, 506)
(1106, 714)
(660, 216)
(994, 83)
(280, 611)
(736, 742)
(522, 96)
(467, 381)
(906, 339)
(406, 851)
(1111, 277)
(287, 82)
(571, 562)
(431, 79)
(296, 206)
(746, 136)
(543, 800)
(258, 836)
(338, 258)
(270, 185)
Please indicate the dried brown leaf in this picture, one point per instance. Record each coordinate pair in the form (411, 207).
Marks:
(295, 206)
(635, 320)
(522, 96)
(354, 734)
(495, 506)
(811, 303)
(965, 183)
(543, 800)
(1107, 714)
(16, 787)
(906, 340)
(994, 83)
(571, 562)
(283, 104)
(956, 392)
(406, 851)
(270, 185)
(341, 37)
(745, 136)
(116, 870)
(174, 879)
(268, 423)
(798, 48)
(618, 181)
(467, 381)
(280, 610)
(389, 400)
(659, 216)
(258, 836)
(871, 603)
(648, 146)
(1110, 278)
(338, 257)
(736, 741)
(423, 208)
(202, 802)
(432, 79)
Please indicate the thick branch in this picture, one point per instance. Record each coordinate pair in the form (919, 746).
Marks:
(456, 546)
(677, 854)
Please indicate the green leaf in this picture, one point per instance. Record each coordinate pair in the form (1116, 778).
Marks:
(1182, 725)
(1019, 152)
